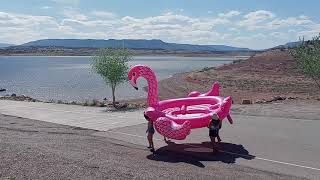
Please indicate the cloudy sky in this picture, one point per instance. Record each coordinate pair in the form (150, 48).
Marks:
(254, 24)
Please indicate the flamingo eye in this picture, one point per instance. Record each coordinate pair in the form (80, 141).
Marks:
(133, 74)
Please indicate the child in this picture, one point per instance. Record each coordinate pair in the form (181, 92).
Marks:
(150, 132)
(214, 127)
(165, 139)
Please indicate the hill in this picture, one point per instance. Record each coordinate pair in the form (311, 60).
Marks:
(154, 44)
(264, 77)
(288, 45)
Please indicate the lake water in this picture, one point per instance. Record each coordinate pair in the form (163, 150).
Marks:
(72, 78)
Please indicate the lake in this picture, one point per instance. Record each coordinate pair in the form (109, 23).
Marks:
(72, 78)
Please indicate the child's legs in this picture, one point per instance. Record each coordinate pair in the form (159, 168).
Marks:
(219, 139)
(150, 139)
(212, 140)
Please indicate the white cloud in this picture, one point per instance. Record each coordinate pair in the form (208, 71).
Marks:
(67, 2)
(169, 18)
(230, 14)
(277, 23)
(46, 7)
(74, 14)
(267, 20)
(95, 24)
(170, 26)
(257, 41)
(174, 28)
(233, 29)
(19, 28)
(103, 14)
(253, 18)
(23, 20)
(291, 31)
(258, 16)
(291, 21)
(309, 33)
(279, 35)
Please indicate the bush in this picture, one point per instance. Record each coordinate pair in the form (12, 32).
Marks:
(112, 66)
(307, 56)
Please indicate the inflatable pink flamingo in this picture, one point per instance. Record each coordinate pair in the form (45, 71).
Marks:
(174, 118)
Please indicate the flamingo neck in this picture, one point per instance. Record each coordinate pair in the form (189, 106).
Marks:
(153, 98)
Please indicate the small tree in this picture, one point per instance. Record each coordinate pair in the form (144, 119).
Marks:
(112, 66)
(307, 55)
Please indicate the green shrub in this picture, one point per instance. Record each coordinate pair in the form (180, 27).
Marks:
(112, 66)
(307, 56)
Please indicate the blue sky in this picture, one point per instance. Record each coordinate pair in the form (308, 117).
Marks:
(255, 24)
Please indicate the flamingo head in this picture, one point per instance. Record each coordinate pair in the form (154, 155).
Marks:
(137, 71)
(133, 75)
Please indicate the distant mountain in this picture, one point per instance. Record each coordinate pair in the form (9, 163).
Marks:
(154, 44)
(288, 45)
(4, 45)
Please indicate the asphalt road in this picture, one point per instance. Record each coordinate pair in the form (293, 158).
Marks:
(280, 145)
(277, 141)
(32, 149)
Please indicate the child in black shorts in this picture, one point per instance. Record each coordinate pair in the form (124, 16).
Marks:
(214, 127)
(150, 132)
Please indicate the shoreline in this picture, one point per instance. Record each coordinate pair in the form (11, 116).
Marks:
(139, 102)
(93, 51)
(135, 55)
(263, 78)
(121, 104)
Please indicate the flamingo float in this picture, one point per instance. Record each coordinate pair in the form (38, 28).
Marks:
(174, 118)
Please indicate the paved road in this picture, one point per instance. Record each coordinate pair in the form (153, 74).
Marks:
(31, 149)
(281, 142)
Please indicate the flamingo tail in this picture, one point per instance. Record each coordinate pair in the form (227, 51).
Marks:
(214, 90)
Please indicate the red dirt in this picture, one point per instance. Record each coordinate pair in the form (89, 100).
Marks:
(259, 78)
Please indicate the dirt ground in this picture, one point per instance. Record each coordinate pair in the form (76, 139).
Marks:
(260, 78)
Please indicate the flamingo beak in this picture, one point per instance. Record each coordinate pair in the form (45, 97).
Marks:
(133, 83)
